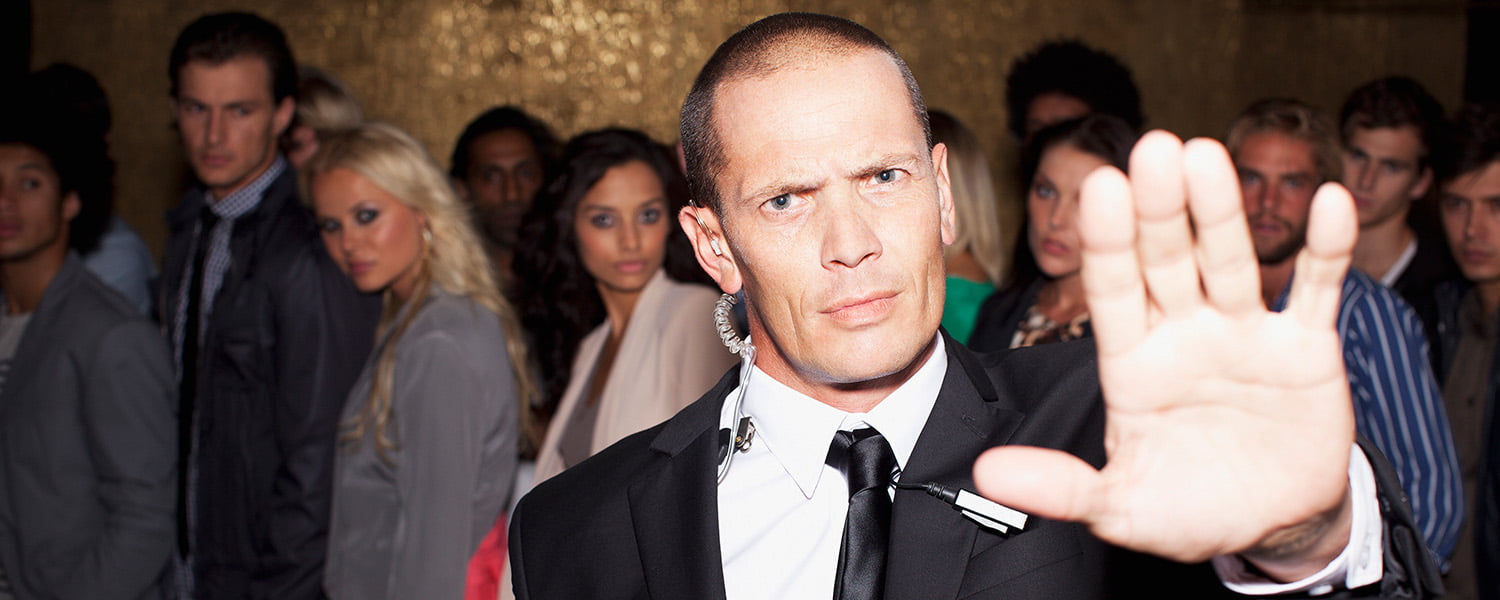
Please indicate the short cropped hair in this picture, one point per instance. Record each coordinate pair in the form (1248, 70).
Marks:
(1394, 102)
(1295, 119)
(1472, 141)
(499, 119)
(758, 50)
(1095, 77)
(219, 38)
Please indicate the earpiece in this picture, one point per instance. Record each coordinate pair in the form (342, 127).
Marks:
(713, 243)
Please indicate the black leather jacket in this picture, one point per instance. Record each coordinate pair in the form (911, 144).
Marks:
(287, 337)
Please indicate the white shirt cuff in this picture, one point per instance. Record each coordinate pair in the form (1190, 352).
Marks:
(1361, 563)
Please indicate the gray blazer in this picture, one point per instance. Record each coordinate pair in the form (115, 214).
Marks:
(88, 448)
(405, 527)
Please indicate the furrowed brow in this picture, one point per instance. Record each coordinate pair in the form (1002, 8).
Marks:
(790, 185)
(889, 161)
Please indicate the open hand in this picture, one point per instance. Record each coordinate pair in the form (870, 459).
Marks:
(1228, 426)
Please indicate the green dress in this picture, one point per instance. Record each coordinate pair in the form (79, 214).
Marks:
(961, 308)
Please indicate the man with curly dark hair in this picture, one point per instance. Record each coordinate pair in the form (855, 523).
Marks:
(1067, 79)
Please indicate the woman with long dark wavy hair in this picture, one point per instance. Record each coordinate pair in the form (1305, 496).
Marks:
(1044, 300)
(622, 330)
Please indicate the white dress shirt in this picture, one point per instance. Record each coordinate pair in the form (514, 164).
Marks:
(781, 509)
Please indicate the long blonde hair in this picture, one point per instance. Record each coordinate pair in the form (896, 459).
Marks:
(453, 258)
(980, 228)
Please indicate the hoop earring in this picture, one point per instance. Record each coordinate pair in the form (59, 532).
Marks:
(724, 324)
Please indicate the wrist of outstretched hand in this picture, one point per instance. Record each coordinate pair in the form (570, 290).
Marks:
(1341, 550)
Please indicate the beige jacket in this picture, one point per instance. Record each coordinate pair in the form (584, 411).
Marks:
(670, 356)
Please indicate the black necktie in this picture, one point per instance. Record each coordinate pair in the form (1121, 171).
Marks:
(866, 459)
(188, 387)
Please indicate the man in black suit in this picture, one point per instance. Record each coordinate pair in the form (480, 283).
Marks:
(1229, 429)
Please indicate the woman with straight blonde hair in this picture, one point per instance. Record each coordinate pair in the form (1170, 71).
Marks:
(976, 260)
(427, 454)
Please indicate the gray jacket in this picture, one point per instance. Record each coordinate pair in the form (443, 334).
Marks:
(405, 528)
(88, 448)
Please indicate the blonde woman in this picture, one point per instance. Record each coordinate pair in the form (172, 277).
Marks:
(428, 449)
(976, 260)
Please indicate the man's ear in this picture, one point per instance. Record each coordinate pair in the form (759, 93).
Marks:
(1424, 182)
(710, 247)
(946, 221)
(285, 110)
(71, 206)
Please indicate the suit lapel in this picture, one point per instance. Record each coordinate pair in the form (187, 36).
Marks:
(675, 509)
(936, 541)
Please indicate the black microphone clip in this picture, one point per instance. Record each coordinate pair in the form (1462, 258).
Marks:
(742, 438)
(1002, 519)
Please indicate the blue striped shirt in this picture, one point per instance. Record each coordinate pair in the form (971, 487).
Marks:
(1398, 405)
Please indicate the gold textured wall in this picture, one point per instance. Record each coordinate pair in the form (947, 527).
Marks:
(431, 65)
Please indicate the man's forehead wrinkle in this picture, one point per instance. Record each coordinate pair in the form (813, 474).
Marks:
(760, 156)
(813, 173)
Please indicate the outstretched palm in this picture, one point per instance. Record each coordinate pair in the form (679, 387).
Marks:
(1226, 423)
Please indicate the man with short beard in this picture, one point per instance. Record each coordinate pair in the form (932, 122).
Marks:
(1284, 150)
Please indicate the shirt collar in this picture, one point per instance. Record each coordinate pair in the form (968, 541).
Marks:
(797, 429)
(245, 199)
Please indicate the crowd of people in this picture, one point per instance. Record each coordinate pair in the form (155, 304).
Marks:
(353, 363)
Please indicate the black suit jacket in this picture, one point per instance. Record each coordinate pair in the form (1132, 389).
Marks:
(1431, 266)
(640, 520)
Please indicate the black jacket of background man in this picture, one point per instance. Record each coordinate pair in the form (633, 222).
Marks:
(287, 336)
(640, 519)
(1431, 265)
(1448, 297)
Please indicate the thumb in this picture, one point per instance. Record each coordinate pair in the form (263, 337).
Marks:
(1042, 482)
